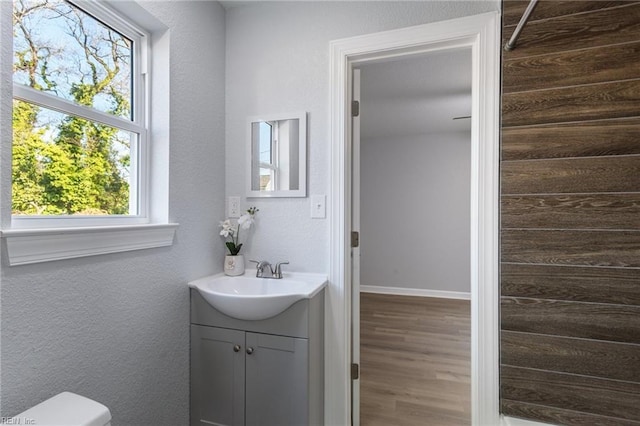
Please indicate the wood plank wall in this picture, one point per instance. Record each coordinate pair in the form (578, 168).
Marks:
(570, 221)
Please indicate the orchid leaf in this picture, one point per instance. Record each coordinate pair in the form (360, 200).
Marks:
(231, 247)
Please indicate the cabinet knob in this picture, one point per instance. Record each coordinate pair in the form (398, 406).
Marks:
(236, 348)
(249, 350)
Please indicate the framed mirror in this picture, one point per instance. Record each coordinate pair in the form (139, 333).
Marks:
(277, 156)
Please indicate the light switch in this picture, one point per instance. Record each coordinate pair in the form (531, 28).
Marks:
(234, 206)
(318, 206)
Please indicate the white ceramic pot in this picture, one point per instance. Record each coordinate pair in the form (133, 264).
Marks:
(234, 265)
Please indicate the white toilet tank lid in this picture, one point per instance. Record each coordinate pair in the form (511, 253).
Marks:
(66, 409)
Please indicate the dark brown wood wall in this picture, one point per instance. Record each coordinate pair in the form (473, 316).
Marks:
(570, 221)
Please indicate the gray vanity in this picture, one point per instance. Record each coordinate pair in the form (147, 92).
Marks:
(257, 372)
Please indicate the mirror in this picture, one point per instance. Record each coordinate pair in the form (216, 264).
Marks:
(278, 156)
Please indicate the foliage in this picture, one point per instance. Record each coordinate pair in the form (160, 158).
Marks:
(64, 164)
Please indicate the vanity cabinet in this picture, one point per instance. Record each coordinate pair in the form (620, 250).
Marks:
(267, 372)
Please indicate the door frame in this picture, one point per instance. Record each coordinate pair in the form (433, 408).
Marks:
(355, 251)
(481, 33)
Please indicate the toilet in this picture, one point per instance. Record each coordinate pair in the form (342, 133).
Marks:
(65, 409)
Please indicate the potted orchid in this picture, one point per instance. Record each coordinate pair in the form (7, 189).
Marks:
(234, 261)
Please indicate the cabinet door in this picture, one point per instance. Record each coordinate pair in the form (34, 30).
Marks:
(277, 380)
(217, 376)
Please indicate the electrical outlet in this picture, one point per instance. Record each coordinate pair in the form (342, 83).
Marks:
(318, 206)
(234, 206)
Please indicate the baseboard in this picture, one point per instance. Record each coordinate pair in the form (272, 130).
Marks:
(401, 291)
(514, 421)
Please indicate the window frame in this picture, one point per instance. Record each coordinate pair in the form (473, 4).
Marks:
(67, 237)
(272, 165)
(139, 125)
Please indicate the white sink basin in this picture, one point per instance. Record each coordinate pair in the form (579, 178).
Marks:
(249, 298)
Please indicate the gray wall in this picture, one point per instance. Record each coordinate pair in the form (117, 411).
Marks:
(278, 61)
(415, 173)
(415, 204)
(115, 328)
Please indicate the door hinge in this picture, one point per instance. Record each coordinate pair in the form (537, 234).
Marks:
(355, 371)
(355, 239)
(355, 108)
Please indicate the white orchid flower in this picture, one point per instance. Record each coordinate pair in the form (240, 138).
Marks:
(227, 228)
(245, 221)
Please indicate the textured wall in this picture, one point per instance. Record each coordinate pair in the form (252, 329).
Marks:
(570, 280)
(115, 328)
(6, 53)
(278, 61)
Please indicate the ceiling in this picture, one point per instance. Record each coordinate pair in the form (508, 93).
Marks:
(416, 95)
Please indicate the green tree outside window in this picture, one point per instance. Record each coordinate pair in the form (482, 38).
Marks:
(65, 164)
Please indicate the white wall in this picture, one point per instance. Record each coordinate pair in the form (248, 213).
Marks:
(115, 328)
(415, 211)
(278, 61)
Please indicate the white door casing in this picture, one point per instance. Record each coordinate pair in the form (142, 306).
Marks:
(481, 33)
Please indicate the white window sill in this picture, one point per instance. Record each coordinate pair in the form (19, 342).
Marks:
(25, 246)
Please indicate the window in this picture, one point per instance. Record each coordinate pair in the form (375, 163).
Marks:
(81, 182)
(79, 120)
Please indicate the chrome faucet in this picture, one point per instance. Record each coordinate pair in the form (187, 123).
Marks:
(277, 273)
(260, 268)
(265, 270)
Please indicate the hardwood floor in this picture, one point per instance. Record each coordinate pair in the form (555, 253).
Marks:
(415, 361)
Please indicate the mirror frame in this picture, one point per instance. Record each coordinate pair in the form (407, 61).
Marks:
(302, 150)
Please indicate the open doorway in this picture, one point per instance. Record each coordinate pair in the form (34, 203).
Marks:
(481, 34)
(412, 207)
